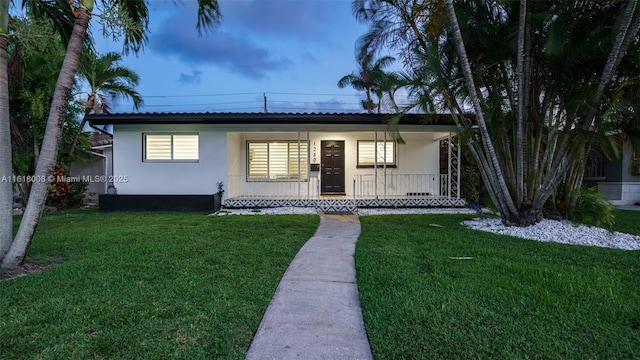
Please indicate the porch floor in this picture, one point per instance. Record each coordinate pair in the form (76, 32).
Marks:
(328, 203)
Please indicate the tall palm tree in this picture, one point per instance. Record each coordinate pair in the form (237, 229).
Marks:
(6, 172)
(107, 81)
(525, 70)
(36, 57)
(135, 20)
(59, 16)
(489, 158)
(371, 79)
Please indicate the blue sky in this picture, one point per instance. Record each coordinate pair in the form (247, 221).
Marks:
(294, 51)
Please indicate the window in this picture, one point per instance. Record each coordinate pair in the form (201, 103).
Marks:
(171, 147)
(594, 169)
(367, 153)
(276, 160)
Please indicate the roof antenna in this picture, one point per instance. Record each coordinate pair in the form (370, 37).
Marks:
(265, 102)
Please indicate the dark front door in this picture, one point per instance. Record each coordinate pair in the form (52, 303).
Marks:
(332, 163)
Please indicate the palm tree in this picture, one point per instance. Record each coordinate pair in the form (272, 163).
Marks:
(36, 58)
(526, 72)
(371, 78)
(135, 20)
(491, 167)
(6, 171)
(107, 81)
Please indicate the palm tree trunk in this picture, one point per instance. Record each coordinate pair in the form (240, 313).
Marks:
(49, 149)
(78, 133)
(509, 210)
(369, 109)
(23, 189)
(6, 167)
(627, 31)
(520, 144)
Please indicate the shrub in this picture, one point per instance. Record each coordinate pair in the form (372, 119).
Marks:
(470, 183)
(592, 209)
(64, 194)
(59, 188)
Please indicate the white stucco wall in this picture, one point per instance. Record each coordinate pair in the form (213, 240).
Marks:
(627, 191)
(97, 172)
(171, 178)
(420, 155)
(627, 176)
(223, 157)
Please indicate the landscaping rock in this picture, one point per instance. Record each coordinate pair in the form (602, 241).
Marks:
(565, 232)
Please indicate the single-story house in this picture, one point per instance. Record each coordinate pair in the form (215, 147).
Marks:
(335, 161)
(98, 169)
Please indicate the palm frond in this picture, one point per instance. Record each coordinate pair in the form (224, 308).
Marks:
(208, 15)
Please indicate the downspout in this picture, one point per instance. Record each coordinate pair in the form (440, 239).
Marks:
(99, 130)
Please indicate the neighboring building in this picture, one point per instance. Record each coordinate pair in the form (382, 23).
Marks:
(99, 168)
(618, 181)
(331, 161)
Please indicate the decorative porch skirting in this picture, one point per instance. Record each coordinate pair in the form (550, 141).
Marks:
(344, 204)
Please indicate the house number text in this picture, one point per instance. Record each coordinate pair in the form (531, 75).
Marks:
(315, 155)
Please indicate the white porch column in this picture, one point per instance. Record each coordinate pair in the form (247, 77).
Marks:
(375, 165)
(455, 166)
(299, 170)
(308, 167)
(385, 164)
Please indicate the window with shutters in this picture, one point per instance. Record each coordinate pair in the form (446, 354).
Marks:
(171, 147)
(277, 160)
(367, 154)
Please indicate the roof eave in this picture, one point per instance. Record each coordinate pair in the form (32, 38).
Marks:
(265, 118)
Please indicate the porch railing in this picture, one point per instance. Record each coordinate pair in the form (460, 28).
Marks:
(240, 186)
(363, 186)
(413, 185)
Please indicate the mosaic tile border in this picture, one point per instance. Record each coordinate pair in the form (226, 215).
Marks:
(343, 205)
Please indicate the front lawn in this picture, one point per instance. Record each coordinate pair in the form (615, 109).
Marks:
(516, 299)
(147, 285)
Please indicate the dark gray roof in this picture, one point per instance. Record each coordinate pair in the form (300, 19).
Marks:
(265, 118)
(100, 139)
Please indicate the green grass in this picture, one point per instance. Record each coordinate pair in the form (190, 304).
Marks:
(517, 299)
(147, 285)
(627, 221)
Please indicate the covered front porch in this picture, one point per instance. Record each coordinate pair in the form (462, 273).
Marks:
(343, 171)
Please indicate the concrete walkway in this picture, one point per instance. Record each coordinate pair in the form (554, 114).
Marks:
(315, 312)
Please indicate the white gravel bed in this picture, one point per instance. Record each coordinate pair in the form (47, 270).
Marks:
(564, 232)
